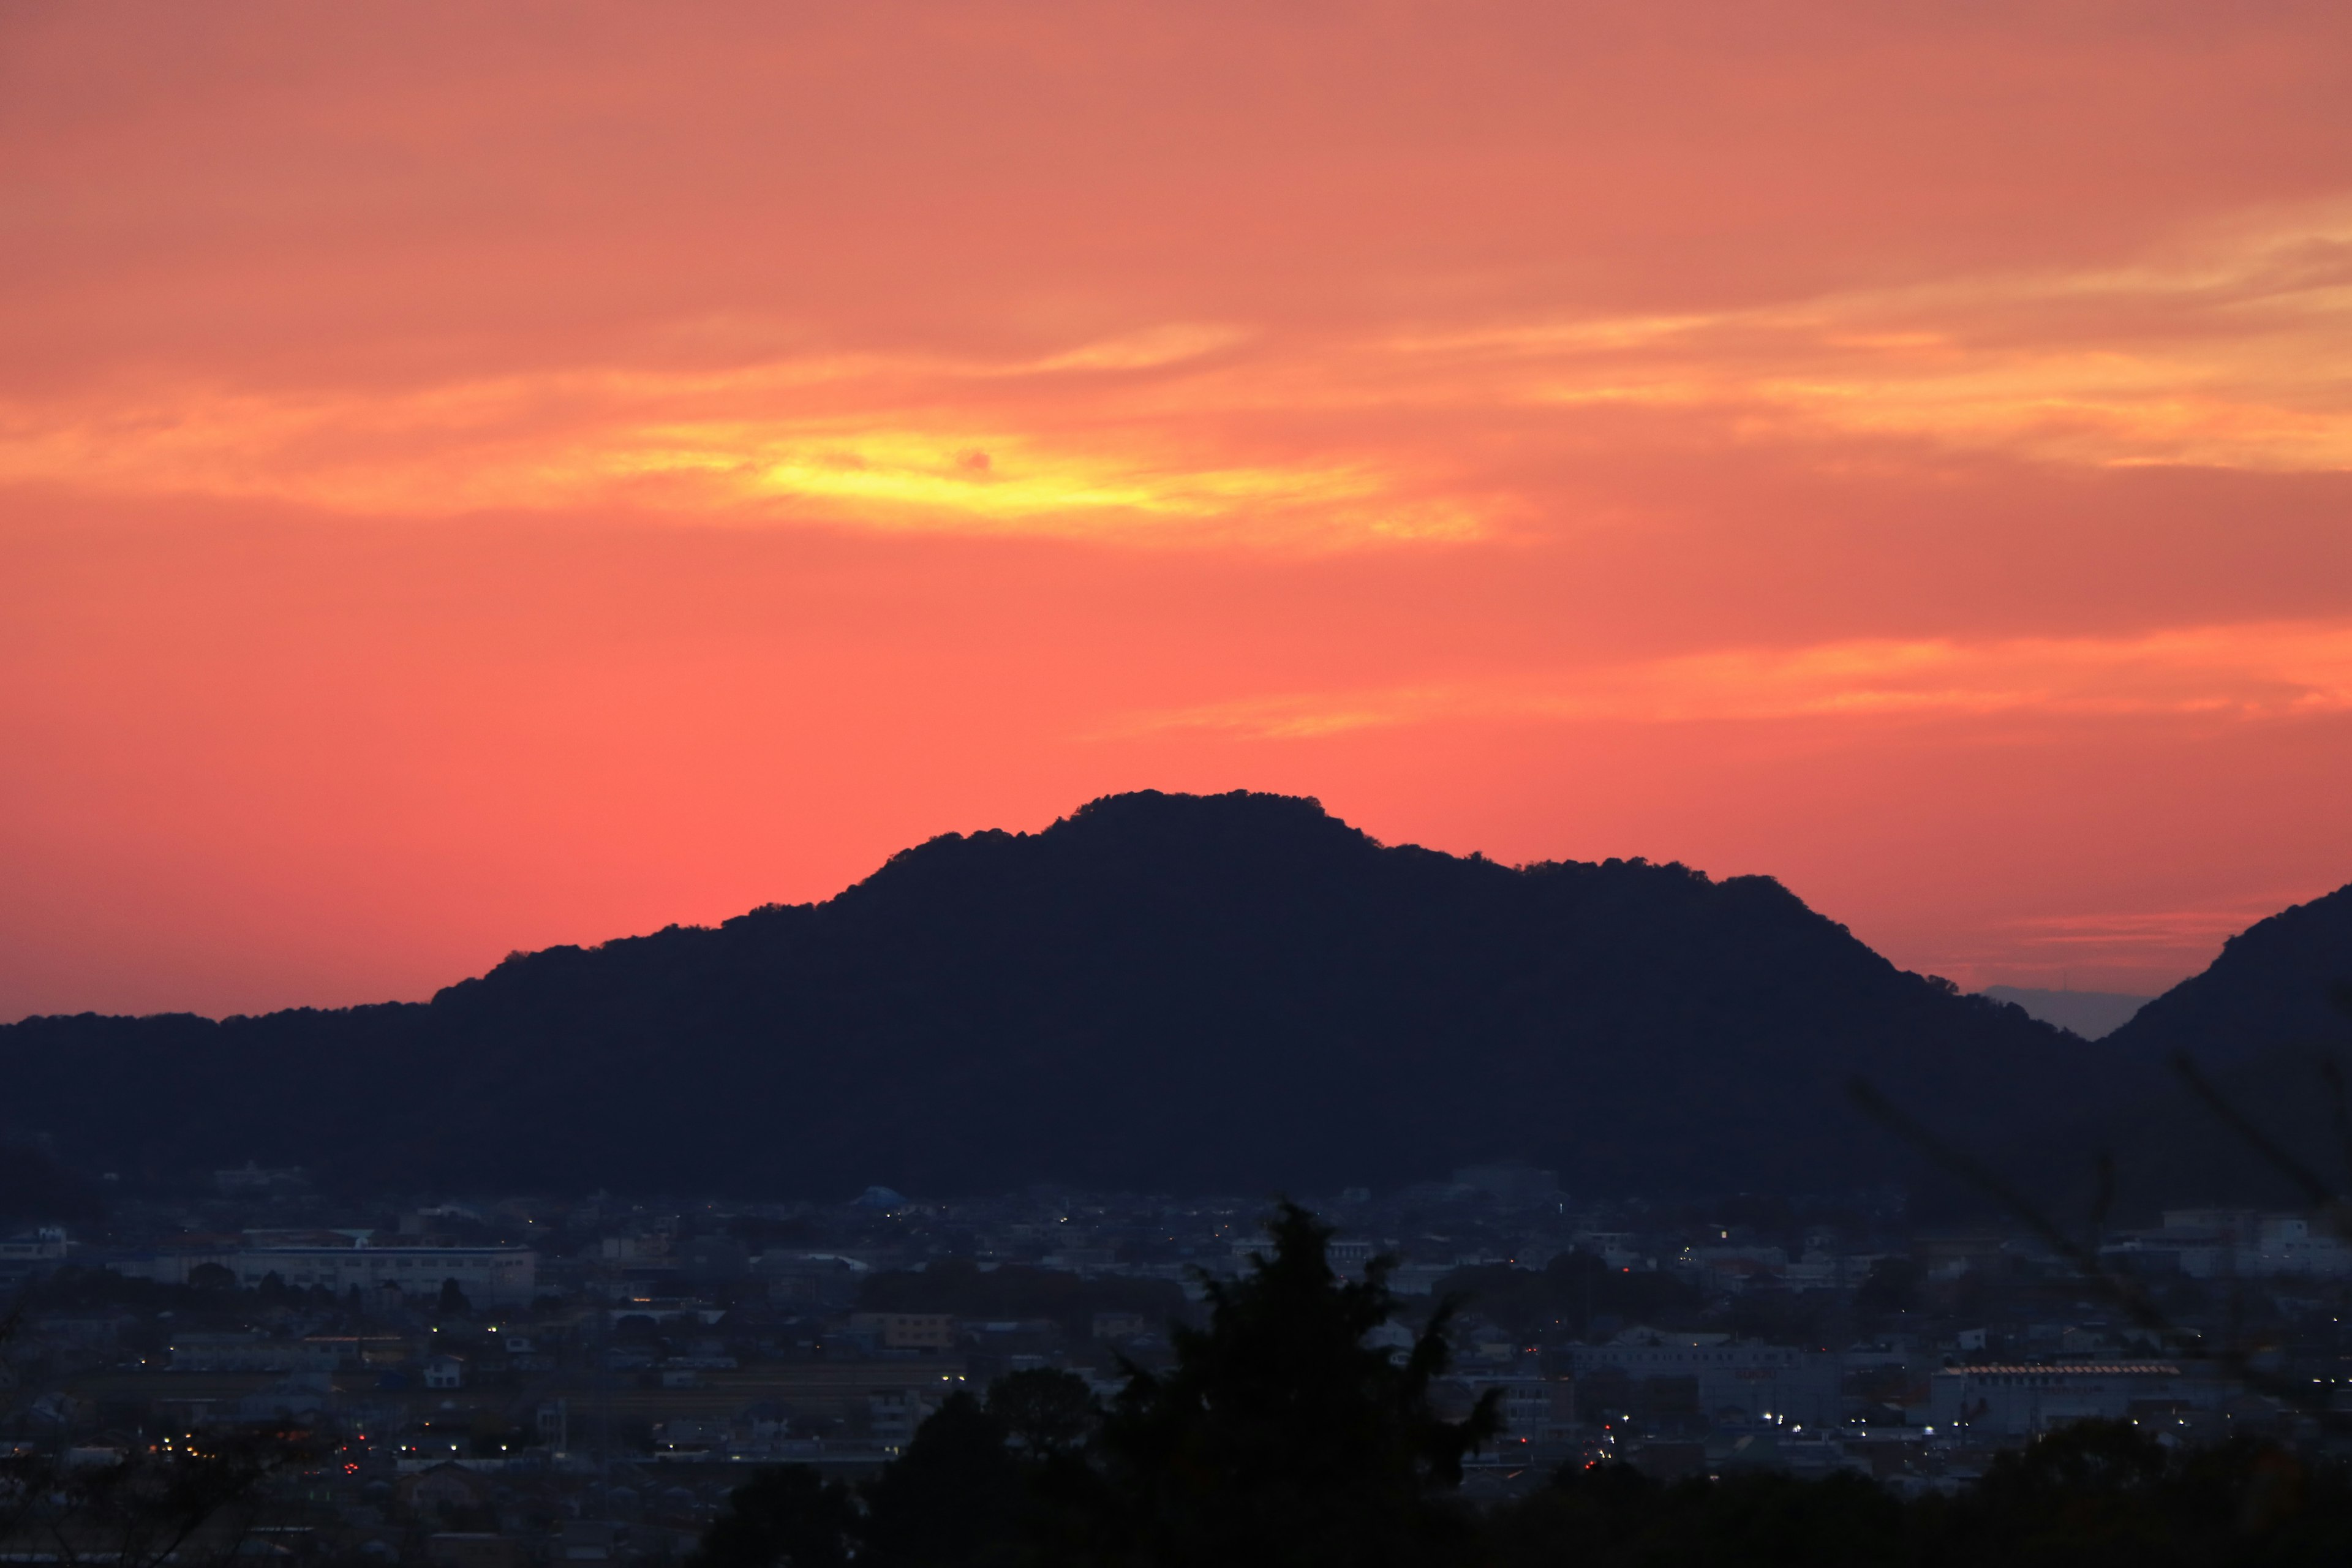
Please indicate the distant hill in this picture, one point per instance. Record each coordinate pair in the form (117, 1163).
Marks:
(2275, 985)
(2094, 1014)
(1232, 992)
(2260, 1023)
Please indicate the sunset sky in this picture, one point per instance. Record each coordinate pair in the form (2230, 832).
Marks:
(480, 475)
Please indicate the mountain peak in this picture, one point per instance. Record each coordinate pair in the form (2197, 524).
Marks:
(1235, 992)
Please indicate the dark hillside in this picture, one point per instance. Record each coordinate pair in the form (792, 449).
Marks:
(1161, 992)
(2261, 1022)
(2275, 985)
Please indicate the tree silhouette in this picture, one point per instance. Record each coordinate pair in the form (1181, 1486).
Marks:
(786, 1518)
(953, 1499)
(1280, 1436)
(1045, 1412)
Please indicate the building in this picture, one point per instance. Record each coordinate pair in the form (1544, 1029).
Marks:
(254, 1181)
(33, 1256)
(352, 1351)
(2225, 1243)
(483, 1273)
(1724, 1378)
(897, 1413)
(175, 1264)
(1418, 1278)
(2010, 1401)
(1732, 1267)
(2286, 1244)
(906, 1330)
(237, 1353)
(1539, 1413)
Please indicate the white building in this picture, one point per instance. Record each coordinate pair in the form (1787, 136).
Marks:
(2287, 1244)
(2226, 1244)
(2021, 1401)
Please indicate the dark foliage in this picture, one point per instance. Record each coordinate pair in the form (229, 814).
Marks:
(1044, 1412)
(1281, 1437)
(1893, 1286)
(1278, 1438)
(955, 1499)
(2107, 1495)
(1613, 1516)
(962, 1019)
(971, 1490)
(2094, 1495)
(786, 1518)
(189, 1505)
(77, 1288)
(34, 1187)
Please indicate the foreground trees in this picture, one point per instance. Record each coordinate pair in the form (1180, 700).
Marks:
(143, 1507)
(2100, 1494)
(1280, 1437)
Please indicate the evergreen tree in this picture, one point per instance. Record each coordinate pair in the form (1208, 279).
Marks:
(786, 1518)
(953, 1499)
(1280, 1436)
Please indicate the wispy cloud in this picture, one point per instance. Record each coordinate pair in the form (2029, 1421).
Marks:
(2161, 928)
(889, 443)
(2229, 351)
(2261, 671)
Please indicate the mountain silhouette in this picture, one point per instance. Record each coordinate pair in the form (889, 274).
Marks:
(2264, 1025)
(2283, 982)
(1235, 993)
(2094, 1014)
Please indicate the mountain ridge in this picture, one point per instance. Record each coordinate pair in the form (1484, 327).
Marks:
(2285, 981)
(1158, 992)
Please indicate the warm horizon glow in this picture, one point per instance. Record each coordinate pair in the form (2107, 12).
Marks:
(477, 477)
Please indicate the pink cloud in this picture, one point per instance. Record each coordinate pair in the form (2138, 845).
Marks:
(479, 477)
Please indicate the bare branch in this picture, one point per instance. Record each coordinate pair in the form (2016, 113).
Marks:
(2127, 1293)
(2123, 1291)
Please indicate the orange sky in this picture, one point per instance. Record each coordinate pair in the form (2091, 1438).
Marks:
(477, 476)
